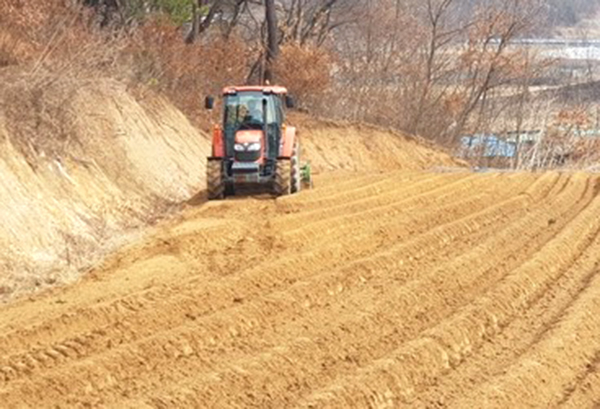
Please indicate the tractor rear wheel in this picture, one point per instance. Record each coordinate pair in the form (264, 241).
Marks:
(215, 184)
(296, 176)
(283, 177)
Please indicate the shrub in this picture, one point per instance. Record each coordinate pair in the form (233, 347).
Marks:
(305, 71)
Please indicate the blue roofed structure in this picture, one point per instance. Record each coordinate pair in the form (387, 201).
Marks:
(487, 146)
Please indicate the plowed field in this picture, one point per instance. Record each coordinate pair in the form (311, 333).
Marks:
(406, 289)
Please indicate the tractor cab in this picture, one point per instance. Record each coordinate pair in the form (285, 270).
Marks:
(252, 145)
(252, 126)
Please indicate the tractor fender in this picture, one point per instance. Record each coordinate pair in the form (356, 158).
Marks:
(289, 136)
(218, 147)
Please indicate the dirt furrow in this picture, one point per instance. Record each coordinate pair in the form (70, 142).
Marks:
(585, 392)
(410, 221)
(379, 198)
(406, 288)
(544, 375)
(348, 190)
(380, 205)
(338, 224)
(353, 327)
(132, 306)
(218, 294)
(420, 362)
(518, 337)
(270, 355)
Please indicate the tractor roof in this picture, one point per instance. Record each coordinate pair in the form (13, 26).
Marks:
(269, 89)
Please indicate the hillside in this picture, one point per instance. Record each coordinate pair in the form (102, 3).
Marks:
(86, 164)
(334, 145)
(81, 163)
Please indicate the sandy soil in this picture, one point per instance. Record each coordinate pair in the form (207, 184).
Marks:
(402, 289)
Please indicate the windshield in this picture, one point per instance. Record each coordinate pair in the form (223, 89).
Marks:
(246, 110)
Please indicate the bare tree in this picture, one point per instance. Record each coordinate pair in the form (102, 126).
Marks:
(272, 39)
(438, 38)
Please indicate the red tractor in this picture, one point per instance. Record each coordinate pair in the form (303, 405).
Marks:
(253, 146)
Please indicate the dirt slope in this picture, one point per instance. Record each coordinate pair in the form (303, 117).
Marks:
(410, 289)
(83, 164)
(80, 163)
(334, 145)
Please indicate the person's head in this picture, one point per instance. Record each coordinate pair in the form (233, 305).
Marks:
(252, 105)
(242, 112)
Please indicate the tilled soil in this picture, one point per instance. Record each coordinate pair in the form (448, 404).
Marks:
(404, 289)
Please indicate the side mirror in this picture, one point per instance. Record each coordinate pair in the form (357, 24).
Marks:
(209, 103)
(290, 102)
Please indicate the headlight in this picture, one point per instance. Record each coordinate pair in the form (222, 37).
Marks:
(254, 147)
(247, 147)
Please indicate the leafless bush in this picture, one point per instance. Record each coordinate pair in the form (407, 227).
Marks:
(306, 72)
(185, 72)
(437, 68)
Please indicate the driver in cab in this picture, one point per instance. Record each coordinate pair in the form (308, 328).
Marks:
(254, 113)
